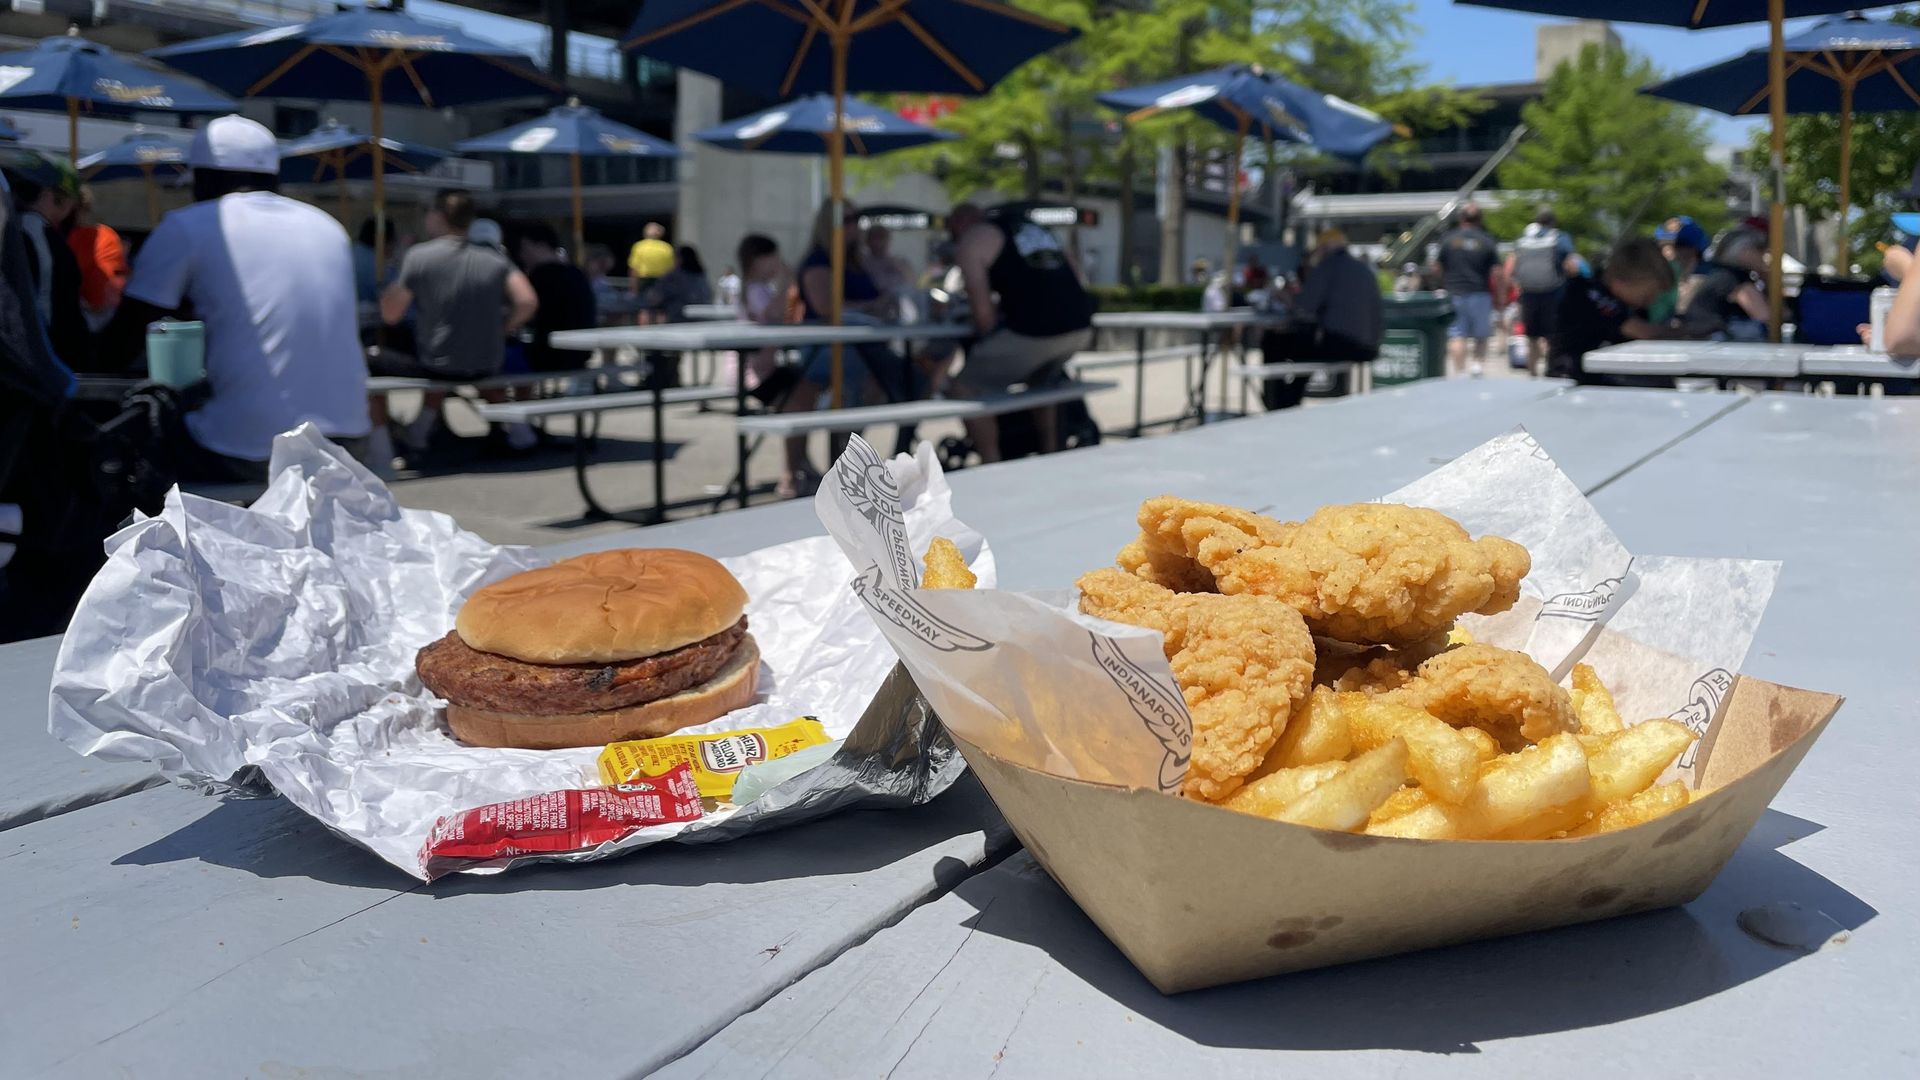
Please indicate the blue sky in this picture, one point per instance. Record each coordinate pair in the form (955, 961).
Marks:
(1455, 42)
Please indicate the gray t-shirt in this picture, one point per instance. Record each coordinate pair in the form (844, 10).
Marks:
(459, 300)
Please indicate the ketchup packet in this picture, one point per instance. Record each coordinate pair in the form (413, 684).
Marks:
(579, 819)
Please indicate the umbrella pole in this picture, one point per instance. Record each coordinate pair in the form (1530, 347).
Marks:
(1844, 262)
(1777, 208)
(836, 180)
(579, 218)
(73, 129)
(374, 77)
(153, 196)
(345, 197)
(1233, 204)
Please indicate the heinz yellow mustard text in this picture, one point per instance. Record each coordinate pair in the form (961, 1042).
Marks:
(716, 760)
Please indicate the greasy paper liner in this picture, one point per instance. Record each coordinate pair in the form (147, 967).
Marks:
(1197, 896)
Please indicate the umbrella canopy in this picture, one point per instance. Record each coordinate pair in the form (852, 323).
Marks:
(1870, 65)
(1249, 101)
(1692, 14)
(574, 131)
(364, 54)
(334, 151)
(1842, 66)
(73, 74)
(138, 156)
(785, 47)
(806, 125)
(572, 128)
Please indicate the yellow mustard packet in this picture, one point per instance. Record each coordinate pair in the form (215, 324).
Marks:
(716, 760)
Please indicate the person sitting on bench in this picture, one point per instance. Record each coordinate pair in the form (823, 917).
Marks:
(1338, 316)
(1029, 311)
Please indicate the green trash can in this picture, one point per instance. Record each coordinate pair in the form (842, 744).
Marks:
(1415, 345)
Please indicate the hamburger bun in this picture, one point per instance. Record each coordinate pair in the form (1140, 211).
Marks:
(604, 608)
(730, 689)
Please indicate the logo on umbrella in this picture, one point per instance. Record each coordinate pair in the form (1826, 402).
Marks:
(393, 39)
(531, 140)
(117, 91)
(620, 144)
(278, 33)
(156, 154)
(1186, 95)
(860, 123)
(765, 124)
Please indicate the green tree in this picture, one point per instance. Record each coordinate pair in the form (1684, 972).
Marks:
(1885, 148)
(1609, 160)
(1041, 128)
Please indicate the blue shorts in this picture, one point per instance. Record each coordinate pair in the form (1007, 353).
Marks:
(888, 368)
(1472, 315)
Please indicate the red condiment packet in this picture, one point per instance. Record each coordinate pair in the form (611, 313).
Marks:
(578, 819)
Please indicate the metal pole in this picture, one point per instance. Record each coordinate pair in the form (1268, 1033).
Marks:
(73, 129)
(375, 74)
(1233, 205)
(1777, 208)
(153, 196)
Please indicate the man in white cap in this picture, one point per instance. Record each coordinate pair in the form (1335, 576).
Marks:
(272, 280)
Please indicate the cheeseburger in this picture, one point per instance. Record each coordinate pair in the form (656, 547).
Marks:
(628, 644)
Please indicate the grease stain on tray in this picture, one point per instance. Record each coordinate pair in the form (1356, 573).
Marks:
(1792, 926)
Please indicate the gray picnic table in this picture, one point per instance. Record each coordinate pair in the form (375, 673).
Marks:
(167, 933)
(1858, 362)
(1720, 359)
(1205, 324)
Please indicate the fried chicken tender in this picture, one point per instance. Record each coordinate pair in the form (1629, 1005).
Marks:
(1371, 573)
(1501, 692)
(946, 567)
(1242, 662)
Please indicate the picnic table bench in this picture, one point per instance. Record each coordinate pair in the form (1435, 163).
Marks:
(165, 932)
(1206, 324)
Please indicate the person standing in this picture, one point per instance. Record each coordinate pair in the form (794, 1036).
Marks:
(1338, 315)
(1542, 261)
(650, 259)
(272, 280)
(467, 299)
(1469, 270)
(45, 215)
(565, 298)
(103, 262)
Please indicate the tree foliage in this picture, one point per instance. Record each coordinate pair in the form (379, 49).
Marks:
(1609, 160)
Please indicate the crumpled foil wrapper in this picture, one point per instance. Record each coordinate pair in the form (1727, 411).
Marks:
(248, 651)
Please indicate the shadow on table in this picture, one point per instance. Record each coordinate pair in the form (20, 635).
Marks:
(856, 842)
(270, 838)
(1450, 1000)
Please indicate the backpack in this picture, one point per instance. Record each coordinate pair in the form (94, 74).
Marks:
(1537, 261)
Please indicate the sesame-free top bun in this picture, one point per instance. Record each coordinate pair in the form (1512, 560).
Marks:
(604, 607)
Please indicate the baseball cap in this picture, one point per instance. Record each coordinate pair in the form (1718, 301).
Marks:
(235, 144)
(1685, 231)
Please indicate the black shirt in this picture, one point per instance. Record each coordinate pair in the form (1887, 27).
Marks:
(1711, 306)
(1467, 258)
(566, 303)
(1040, 295)
(1590, 317)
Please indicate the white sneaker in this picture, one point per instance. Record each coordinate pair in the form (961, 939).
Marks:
(1475, 369)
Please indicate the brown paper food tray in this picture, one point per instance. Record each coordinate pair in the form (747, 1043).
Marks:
(1197, 896)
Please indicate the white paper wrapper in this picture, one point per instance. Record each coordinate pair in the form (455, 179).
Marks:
(1031, 680)
(274, 646)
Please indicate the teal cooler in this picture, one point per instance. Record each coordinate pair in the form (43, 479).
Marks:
(1415, 344)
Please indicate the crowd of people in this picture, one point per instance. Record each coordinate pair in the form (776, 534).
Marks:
(1674, 283)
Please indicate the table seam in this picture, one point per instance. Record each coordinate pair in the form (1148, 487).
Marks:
(1733, 406)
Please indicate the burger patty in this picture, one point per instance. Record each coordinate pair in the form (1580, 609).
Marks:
(464, 675)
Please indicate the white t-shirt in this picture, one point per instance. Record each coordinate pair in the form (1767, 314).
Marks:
(272, 279)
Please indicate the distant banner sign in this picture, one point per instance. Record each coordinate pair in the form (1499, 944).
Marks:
(902, 221)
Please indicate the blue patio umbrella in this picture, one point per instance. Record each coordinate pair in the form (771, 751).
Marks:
(1843, 66)
(75, 75)
(363, 54)
(576, 131)
(334, 151)
(786, 47)
(1249, 101)
(1699, 15)
(805, 125)
(142, 155)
